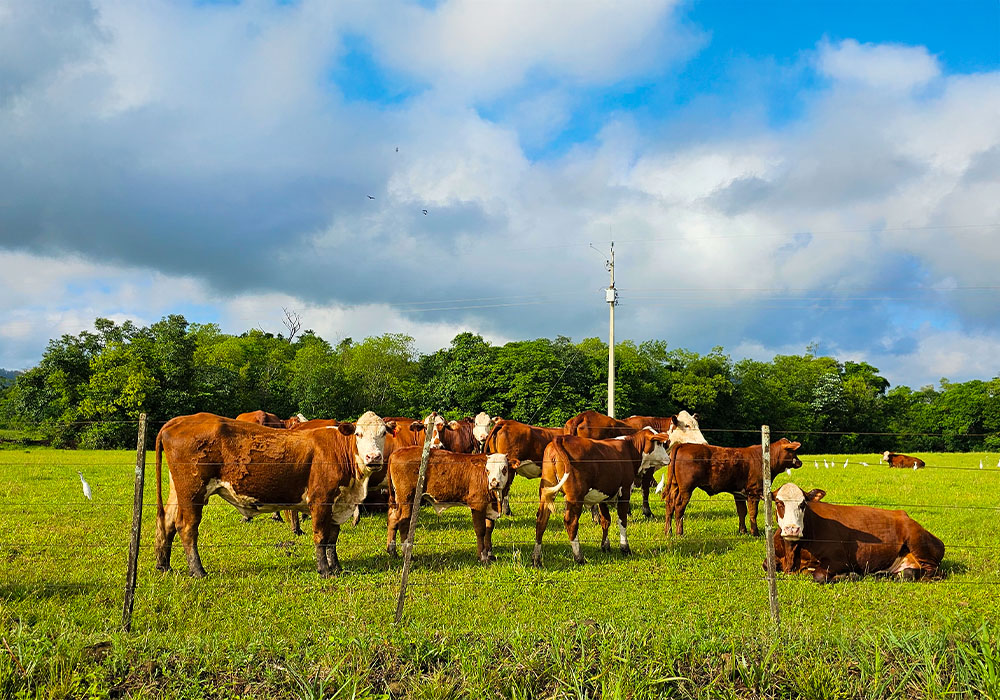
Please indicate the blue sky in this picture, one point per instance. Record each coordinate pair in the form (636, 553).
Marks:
(775, 174)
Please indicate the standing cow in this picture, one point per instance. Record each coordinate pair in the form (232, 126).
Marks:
(257, 469)
(523, 442)
(594, 472)
(452, 479)
(833, 542)
(736, 470)
(270, 420)
(682, 427)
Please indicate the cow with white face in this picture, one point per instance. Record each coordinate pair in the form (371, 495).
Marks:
(834, 542)
(481, 428)
(452, 478)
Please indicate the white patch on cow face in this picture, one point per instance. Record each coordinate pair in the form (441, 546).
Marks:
(481, 427)
(791, 512)
(435, 424)
(658, 457)
(686, 430)
(885, 456)
(369, 440)
(497, 471)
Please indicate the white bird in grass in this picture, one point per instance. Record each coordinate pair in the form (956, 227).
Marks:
(816, 464)
(998, 464)
(825, 463)
(980, 464)
(86, 487)
(864, 464)
(845, 462)
(661, 484)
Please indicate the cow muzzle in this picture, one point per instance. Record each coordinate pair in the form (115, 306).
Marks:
(792, 533)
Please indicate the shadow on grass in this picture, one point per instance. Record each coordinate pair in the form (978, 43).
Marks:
(35, 591)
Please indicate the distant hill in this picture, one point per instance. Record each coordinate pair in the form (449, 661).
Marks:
(9, 373)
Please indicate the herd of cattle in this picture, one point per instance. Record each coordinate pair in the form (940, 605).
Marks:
(260, 463)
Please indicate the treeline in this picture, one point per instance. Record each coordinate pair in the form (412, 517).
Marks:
(89, 388)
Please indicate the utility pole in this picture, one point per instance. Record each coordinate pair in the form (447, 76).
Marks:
(611, 296)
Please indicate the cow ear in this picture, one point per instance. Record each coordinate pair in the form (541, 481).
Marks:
(695, 416)
(815, 495)
(513, 463)
(346, 428)
(453, 424)
(793, 446)
(416, 426)
(390, 427)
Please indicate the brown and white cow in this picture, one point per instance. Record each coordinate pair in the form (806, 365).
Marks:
(452, 479)
(902, 461)
(270, 420)
(682, 427)
(257, 469)
(736, 470)
(594, 472)
(467, 435)
(834, 542)
(523, 442)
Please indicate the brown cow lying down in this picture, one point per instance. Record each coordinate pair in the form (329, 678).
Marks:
(257, 469)
(593, 472)
(902, 461)
(452, 478)
(736, 470)
(835, 542)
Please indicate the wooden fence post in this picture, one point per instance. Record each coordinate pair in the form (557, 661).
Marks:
(417, 497)
(772, 583)
(133, 552)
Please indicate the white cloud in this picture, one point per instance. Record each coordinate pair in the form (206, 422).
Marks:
(878, 66)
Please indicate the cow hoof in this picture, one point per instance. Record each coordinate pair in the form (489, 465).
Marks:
(647, 513)
(626, 550)
(536, 562)
(605, 547)
(580, 560)
(199, 574)
(491, 556)
(298, 532)
(909, 574)
(165, 568)
(392, 552)
(276, 518)
(245, 518)
(820, 577)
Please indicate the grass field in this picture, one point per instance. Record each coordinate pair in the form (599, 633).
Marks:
(682, 618)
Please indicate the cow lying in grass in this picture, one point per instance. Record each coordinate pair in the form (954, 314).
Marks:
(476, 481)
(834, 542)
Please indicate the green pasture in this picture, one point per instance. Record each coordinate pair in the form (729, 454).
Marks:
(686, 617)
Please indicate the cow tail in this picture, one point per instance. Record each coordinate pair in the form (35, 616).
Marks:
(669, 481)
(547, 494)
(161, 514)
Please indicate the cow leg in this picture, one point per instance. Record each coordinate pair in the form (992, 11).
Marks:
(396, 513)
(741, 511)
(647, 482)
(623, 526)
(293, 518)
(166, 528)
(541, 520)
(276, 518)
(188, 520)
(605, 524)
(505, 500)
(571, 519)
(489, 539)
(681, 501)
(479, 525)
(595, 514)
(331, 550)
(322, 516)
(752, 504)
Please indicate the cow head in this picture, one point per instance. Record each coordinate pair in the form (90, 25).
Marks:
(498, 471)
(655, 452)
(684, 428)
(369, 439)
(435, 425)
(790, 507)
(783, 455)
(481, 427)
(885, 456)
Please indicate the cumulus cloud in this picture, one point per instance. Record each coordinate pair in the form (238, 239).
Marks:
(206, 150)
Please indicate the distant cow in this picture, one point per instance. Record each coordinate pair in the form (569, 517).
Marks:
(902, 461)
(257, 469)
(270, 420)
(682, 428)
(736, 470)
(594, 472)
(452, 479)
(314, 423)
(523, 442)
(834, 542)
